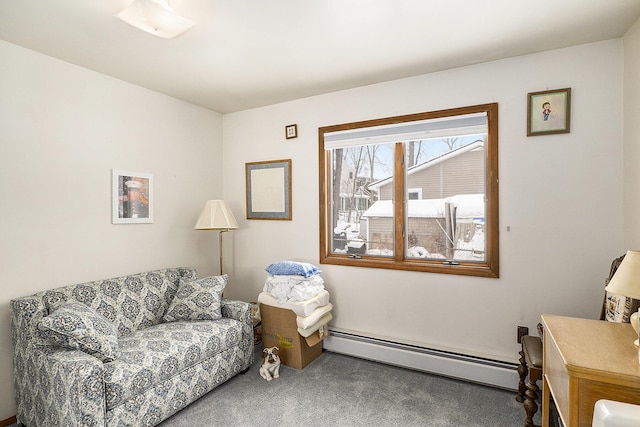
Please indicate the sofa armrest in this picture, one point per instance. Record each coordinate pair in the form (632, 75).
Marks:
(238, 310)
(26, 312)
(241, 311)
(53, 386)
(56, 386)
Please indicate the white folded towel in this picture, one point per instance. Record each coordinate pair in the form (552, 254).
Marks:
(302, 308)
(306, 322)
(293, 288)
(314, 328)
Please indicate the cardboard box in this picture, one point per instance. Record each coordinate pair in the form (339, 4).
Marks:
(279, 329)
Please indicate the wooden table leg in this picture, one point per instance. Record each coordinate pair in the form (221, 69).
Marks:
(545, 402)
(532, 395)
(522, 373)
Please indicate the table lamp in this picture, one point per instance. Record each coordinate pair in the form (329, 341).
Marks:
(216, 215)
(626, 281)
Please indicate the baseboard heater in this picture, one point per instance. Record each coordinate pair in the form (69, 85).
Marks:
(469, 368)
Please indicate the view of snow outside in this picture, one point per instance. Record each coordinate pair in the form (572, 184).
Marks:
(364, 166)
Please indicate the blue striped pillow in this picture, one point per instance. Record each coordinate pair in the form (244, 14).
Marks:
(292, 268)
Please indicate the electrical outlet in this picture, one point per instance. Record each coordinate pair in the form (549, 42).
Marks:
(522, 331)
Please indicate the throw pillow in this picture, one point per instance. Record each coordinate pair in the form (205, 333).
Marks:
(78, 327)
(197, 299)
(294, 268)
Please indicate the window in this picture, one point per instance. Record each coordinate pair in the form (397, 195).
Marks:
(416, 192)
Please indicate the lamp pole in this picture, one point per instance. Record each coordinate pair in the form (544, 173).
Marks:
(220, 247)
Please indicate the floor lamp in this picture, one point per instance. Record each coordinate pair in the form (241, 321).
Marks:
(216, 215)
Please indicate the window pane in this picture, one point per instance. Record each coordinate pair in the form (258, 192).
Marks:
(356, 206)
(447, 220)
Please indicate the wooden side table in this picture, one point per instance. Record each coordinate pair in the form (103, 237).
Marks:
(585, 361)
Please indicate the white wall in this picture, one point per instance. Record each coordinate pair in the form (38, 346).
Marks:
(632, 137)
(561, 196)
(62, 130)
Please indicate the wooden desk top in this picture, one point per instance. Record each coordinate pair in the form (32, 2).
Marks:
(596, 349)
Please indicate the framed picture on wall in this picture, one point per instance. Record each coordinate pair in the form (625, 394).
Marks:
(132, 197)
(549, 112)
(291, 131)
(269, 189)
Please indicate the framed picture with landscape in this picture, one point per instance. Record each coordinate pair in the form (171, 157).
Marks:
(269, 189)
(549, 112)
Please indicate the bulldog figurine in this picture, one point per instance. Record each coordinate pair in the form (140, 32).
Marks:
(270, 367)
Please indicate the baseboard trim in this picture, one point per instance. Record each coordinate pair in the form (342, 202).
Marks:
(460, 366)
(8, 421)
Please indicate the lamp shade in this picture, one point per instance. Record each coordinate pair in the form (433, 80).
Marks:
(155, 17)
(216, 215)
(626, 280)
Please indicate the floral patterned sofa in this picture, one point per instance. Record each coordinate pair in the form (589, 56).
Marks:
(128, 351)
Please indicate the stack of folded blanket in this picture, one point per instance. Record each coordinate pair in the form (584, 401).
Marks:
(297, 286)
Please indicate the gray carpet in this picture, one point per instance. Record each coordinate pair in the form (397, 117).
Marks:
(338, 390)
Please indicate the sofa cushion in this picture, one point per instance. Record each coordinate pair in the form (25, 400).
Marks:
(197, 299)
(132, 302)
(150, 356)
(78, 327)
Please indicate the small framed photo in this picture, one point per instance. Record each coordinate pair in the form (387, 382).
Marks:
(549, 112)
(291, 131)
(132, 197)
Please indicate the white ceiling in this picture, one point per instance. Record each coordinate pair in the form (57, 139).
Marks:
(250, 53)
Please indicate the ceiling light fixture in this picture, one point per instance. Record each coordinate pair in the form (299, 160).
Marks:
(155, 17)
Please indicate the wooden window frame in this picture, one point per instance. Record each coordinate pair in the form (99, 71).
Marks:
(488, 268)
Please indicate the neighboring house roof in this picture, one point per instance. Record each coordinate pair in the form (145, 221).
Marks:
(468, 206)
(436, 160)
